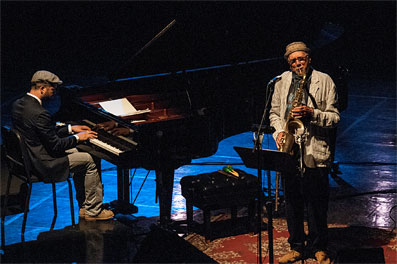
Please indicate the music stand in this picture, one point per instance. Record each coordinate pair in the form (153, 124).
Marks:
(270, 160)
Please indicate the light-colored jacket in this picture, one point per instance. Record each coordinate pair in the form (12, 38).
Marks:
(317, 148)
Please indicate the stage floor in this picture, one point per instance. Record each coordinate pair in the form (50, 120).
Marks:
(363, 191)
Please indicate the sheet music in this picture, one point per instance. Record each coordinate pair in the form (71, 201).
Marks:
(121, 107)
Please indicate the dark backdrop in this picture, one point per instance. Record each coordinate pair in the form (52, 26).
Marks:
(86, 41)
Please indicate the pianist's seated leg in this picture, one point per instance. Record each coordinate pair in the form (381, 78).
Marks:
(88, 185)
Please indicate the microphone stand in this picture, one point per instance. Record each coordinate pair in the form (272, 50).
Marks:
(300, 140)
(258, 147)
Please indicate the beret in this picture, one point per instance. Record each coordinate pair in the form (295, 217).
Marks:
(295, 46)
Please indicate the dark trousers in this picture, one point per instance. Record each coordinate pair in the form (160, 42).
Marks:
(311, 191)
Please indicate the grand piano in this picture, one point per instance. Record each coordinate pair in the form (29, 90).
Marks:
(183, 112)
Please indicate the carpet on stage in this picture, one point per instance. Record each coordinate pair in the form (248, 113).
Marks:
(347, 244)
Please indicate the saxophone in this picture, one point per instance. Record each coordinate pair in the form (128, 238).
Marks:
(293, 127)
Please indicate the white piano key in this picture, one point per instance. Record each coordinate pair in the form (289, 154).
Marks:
(106, 146)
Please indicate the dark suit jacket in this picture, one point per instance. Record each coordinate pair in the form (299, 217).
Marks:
(46, 143)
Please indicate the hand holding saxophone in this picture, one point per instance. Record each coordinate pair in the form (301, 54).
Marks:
(280, 139)
(302, 111)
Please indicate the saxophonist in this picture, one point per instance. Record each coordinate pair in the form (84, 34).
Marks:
(309, 187)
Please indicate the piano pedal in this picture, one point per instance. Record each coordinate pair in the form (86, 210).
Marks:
(123, 207)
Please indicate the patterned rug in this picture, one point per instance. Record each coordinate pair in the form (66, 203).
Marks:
(346, 243)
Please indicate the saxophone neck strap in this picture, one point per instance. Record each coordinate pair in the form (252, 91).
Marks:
(311, 98)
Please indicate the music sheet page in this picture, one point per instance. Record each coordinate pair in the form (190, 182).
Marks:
(121, 107)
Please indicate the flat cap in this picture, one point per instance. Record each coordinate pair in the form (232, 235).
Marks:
(45, 76)
(295, 46)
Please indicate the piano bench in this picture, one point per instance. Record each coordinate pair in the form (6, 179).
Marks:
(213, 191)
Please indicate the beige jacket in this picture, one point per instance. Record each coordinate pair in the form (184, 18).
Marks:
(317, 148)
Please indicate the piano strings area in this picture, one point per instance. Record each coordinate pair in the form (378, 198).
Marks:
(362, 194)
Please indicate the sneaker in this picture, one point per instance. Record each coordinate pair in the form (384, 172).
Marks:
(291, 256)
(322, 257)
(81, 213)
(103, 215)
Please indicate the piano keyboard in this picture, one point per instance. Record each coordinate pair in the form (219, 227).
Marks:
(106, 146)
(113, 144)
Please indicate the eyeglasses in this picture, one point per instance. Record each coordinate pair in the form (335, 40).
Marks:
(297, 59)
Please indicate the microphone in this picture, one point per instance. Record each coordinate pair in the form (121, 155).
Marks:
(275, 79)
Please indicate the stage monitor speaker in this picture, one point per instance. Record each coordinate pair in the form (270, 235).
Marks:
(163, 246)
(63, 249)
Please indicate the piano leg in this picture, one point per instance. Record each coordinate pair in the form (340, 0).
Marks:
(165, 184)
(122, 184)
(122, 204)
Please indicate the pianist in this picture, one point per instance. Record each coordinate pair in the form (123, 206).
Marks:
(52, 148)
